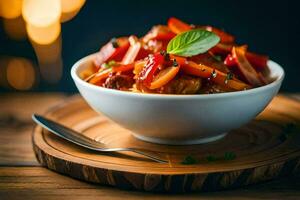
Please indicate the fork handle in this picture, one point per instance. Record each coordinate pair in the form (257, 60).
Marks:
(81, 140)
(148, 155)
(66, 133)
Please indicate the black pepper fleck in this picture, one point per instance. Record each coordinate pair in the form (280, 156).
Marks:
(175, 63)
(229, 76)
(114, 43)
(213, 74)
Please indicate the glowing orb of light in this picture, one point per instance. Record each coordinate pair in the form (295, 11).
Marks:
(70, 8)
(71, 5)
(10, 9)
(48, 53)
(15, 28)
(20, 74)
(41, 13)
(44, 35)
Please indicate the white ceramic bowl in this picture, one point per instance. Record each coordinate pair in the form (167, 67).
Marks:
(178, 119)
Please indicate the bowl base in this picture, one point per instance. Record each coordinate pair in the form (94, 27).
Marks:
(179, 142)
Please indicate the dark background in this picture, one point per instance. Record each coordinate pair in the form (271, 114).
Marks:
(268, 27)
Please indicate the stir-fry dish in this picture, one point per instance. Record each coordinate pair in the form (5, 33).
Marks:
(178, 58)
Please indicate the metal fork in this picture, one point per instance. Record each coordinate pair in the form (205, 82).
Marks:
(81, 140)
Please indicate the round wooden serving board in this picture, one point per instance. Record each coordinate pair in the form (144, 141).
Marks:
(266, 148)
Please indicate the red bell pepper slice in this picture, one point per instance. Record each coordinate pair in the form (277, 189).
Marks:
(133, 51)
(224, 37)
(177, 26)
(152, 65)
(159, 32)
(165, 36)
(109, 52)
(252, 77)
(258, 61)
(123, 68)
(143, 53)
(203, 71)
(222, 49)
(230, 61)
(164, 76)
(100, 76)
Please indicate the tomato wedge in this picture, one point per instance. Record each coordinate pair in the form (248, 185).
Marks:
(152, 65)
(239, 53)
(203, 71)
(111, 52)
(164, 76)
(177, 26)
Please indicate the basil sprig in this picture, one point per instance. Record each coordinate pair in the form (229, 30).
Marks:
(192, 42)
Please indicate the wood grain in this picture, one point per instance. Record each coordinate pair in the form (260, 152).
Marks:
(29, 182)
(40, 183)
(16, 126)
(262, 153)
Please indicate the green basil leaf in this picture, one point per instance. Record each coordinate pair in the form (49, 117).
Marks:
(192, 42)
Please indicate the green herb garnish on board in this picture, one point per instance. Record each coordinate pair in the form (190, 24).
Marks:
(229, 156)
(192, 42)
(189, 160)
(211, 158)
(226, 156)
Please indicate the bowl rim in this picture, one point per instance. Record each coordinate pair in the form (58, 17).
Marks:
(274, 66)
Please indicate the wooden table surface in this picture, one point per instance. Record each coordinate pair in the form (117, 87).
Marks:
(21, 177)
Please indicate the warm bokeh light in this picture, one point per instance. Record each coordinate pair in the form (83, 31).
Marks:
(15, 28)
(49, 53)
(10, 9)
(41, 13)
(71, 5)
(49, 60)
(40, 20)
(20, 73)
(43, 35)
(70, 8)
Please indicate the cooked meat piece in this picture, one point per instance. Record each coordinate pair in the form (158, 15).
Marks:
(119, 82)
(182, 85)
